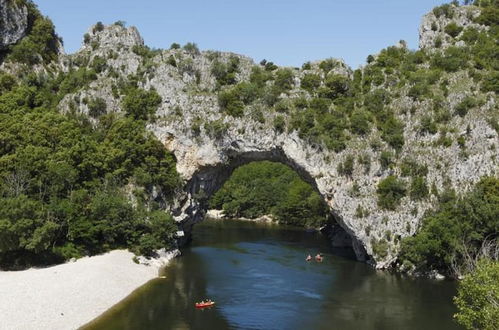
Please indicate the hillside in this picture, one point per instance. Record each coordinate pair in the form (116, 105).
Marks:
(381, 144)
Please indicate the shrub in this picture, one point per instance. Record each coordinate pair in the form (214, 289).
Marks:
(279, 123)
(463, 107)
(7, 82)
(409, 167)
(386, 159)
(456, 230)
(419, 188)
(390, 191)
(216, 129)
(361, 212)
(360, 122)
(477, 297)
(345, 168)
(231, 103)
(380, 248)
(392, 131)
(97, 107)
(338, 85)
(175, 46)
(284, 80)
(98, 27)
(452, 60)
(98, 64)
(86, 38)
(428, 125)
(310, 82)
(191, 48)
(444, 10)
(141, 104)
(328, 64)
(453, 29)
(40, 44)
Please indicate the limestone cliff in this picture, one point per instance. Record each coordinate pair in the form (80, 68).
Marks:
(13, 22)
(208, 142)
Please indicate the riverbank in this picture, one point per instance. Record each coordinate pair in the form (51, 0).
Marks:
(219, 215)
(72, 294)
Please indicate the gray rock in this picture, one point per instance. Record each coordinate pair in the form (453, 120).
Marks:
(205, 161)
(13, 22)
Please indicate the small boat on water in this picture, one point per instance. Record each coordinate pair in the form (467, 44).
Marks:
(205, 304)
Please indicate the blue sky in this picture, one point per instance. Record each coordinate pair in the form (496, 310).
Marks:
(287, 32)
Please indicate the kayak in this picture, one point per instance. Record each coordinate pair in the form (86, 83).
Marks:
(205, 304)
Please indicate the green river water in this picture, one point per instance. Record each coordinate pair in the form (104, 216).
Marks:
(258, 276)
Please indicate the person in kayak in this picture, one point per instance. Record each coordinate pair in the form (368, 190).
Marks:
(309, 258)
(318, 257)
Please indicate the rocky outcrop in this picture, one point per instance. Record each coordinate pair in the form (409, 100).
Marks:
(432, 34)
(209, 144)
(13, 22)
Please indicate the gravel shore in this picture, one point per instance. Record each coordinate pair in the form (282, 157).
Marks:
(69, 295)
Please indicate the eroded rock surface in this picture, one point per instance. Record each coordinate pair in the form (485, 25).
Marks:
(13, 22)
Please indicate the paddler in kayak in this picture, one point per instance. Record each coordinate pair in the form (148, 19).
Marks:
(318, 257)
(309, 258)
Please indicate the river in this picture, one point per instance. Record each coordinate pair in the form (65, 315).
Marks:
(258, 276)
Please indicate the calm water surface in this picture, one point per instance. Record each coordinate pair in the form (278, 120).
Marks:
(259, 279)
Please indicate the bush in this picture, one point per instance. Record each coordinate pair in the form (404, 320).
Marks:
(310, 82)
(455, 231)
(97, 107)
(386, 159)
(463, 107)
(230, 102)
(216, 129)
(419, 188)
(346, 167)
(284, 80)
(453, 29)
(360, 122)
(279, 124)
(390, 191)
(99, 27)
(141, 104)
(477, 298)
(392, 131)
(39, 46)
(380, 248)
(191, 48)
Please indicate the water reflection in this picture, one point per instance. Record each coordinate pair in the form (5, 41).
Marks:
(260, 280)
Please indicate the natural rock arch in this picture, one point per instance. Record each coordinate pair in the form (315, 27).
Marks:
(209, 142)
(206, 167)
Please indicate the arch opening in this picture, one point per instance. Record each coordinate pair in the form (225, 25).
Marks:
(207, 180)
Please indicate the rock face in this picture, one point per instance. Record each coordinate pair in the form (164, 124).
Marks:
(13, 22)
(209, 144)
(432, 33)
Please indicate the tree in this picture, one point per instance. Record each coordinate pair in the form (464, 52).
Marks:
(141, 104)
(477, 299)
(390, 191)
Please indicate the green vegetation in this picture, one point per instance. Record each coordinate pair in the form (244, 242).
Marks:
(390, 191)
(456, 231)
(478, 297)
(40, 46)
(140, 104)
(65, 183)
(262, 188)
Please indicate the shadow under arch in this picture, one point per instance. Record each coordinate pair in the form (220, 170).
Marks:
(207, 180)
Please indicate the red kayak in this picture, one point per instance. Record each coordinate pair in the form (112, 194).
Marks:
(205, 304)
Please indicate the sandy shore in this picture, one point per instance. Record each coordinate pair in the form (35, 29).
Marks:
(69, 295)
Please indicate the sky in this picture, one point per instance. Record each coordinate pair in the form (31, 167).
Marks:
(287, 32)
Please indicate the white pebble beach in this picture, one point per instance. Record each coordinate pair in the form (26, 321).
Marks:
(70, 295)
